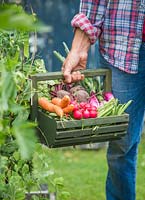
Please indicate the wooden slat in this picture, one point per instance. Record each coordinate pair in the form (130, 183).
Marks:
(59, 75)
(108, 81)
(88, 139)
(88, 131)
(92, 121)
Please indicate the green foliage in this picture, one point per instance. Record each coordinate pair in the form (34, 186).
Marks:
(14, 17)
(20, 176)
(24, 165)
(15, 95)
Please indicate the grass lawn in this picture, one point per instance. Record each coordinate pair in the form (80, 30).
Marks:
(84, 172)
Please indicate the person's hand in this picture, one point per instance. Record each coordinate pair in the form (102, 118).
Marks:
(74, 62)
(77, 57)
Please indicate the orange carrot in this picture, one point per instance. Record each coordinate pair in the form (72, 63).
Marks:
(50, 107)
(65, 101)
(68, 109)
(58, 111)
(45, 104)
(56, 101)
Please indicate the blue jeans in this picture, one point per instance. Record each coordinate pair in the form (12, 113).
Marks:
(122, 154)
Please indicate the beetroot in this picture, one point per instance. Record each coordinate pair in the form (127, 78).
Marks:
(62, 93)
(76, 88)
(81, 96)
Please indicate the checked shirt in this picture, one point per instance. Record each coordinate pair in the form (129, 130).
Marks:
(118, 24)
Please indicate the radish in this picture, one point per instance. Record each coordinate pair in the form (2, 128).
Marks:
(108, 96)
(76, 107)
(77, 114)
(93, 114)
(88, 106)
(86, 114)
(82, 104)
(93, 108)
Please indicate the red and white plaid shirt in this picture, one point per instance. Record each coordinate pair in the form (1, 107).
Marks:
(119, 25)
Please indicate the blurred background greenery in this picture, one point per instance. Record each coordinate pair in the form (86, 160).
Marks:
(58, 15)
(84, 171)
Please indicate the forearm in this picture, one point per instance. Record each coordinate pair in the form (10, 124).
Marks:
(81, 41)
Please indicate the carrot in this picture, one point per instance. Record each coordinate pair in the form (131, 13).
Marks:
(50, 107)
(45, 104)
(68, 109)
(58, 111)
(56, 101)
(65, 101)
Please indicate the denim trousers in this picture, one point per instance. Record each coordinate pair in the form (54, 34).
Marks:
(122, 154)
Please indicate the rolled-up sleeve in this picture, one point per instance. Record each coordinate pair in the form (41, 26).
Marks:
(90, 17)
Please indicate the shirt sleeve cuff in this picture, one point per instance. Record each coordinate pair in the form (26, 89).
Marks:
(81, 21)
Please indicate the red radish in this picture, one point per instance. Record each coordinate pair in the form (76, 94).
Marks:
(93, 114)
(86, 114)
(93, 108)
(82, 104)
(77, 114)
(87, 106)
(76, 107)
(108, 96)
(81, 110)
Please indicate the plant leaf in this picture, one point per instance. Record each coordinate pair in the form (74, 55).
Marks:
(26, 138)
